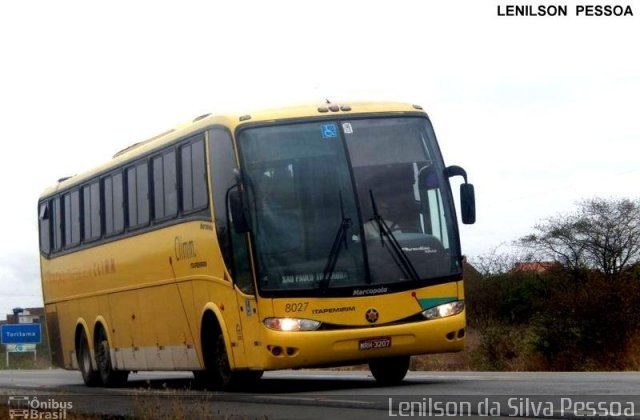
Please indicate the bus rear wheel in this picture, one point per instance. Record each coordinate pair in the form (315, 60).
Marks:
(90, 376)
(390, 371)
(109, 376)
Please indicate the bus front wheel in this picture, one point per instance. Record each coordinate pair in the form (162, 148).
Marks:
(217, 373)
(390, 371)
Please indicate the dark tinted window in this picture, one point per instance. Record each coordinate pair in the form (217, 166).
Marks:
(138, 195)
(57, 224)
(118, 202)
(132, 202)
(72, 218)
(100, 206)
(75, 218)
(66, 199)
(199, 175)
(158, 187)
(96, 224)
(113, 204)
(301, 202)
(165, 195)
(142, 180)
(91, 201)
(44, 217)
(223, 162)
(187, 184)
(170, 182)
(86, 212)
(232, 245)
(193, 172)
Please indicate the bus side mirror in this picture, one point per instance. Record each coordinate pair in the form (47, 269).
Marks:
(467, 203)
(238, 212)
(467, 194)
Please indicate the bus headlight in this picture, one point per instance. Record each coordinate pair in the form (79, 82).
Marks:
(291, 324)
(445, 310)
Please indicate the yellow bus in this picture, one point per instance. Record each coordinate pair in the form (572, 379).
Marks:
(234, 244)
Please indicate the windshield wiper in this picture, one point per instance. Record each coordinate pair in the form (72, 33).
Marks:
(340, 238)
(397, 254)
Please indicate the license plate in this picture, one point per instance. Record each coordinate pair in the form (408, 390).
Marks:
(375, 343)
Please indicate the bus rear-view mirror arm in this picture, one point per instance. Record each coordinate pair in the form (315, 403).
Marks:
(467, 195)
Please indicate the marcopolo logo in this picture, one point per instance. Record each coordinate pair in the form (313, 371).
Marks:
(21, 407)
(371, 315)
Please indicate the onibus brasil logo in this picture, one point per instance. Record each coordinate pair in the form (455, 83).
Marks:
(21, 407)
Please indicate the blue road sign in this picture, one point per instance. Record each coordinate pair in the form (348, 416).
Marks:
(21, 334)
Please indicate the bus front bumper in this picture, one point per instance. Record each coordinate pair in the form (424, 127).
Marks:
(283, 350)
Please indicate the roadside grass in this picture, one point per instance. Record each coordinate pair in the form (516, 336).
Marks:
(512, 348)
(171, 405)
(181, 405)
(146, 405)
(70, 415)
(631, 354)
(25, 361)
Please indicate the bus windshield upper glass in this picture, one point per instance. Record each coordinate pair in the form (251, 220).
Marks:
(348, 204)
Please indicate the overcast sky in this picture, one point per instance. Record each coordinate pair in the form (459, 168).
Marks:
(541, 112)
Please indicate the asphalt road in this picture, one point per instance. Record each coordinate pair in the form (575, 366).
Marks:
(320, 394)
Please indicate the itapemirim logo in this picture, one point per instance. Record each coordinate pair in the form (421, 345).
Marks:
(23, 407)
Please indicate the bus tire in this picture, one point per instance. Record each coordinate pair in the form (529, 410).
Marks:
(390, 371)
(90, 376)
(217, 372)
(109, 376)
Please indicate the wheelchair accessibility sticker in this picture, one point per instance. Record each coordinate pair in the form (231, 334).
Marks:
(329, 131)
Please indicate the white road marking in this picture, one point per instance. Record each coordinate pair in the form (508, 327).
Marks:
(316, 399)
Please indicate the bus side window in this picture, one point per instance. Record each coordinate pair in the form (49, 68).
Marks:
(233, 245)
(71, 218)
(193, 175)
(165, 189)
(57, 224)
(91, 197)
(113, 204)
(44, 216)
(138, 195)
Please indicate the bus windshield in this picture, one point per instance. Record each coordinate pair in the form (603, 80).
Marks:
(348, 204)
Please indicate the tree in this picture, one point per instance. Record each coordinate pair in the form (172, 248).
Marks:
(602, 234)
